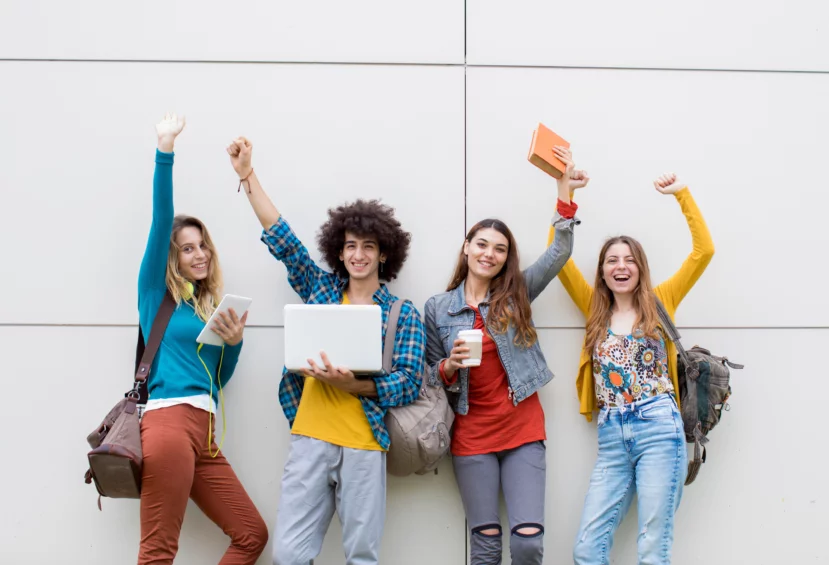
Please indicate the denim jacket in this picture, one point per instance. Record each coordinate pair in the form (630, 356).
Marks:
(447, 313)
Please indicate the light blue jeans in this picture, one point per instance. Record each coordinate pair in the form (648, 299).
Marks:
(641, 452)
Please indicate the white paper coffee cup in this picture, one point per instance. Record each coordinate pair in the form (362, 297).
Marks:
(474, 341)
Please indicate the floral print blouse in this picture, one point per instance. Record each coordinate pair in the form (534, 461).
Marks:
(630, 368)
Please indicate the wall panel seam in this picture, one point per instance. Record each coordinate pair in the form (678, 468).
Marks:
(237, 62)
(465, 64)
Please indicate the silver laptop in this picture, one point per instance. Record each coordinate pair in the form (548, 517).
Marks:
(351, 335)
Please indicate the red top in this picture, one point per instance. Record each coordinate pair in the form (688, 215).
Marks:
(493, 423)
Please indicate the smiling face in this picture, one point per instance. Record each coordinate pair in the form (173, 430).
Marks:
(361, 256)
(620, 270)
(486, 253)
(193, 254)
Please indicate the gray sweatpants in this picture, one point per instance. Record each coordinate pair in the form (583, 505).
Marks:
(522, 474)
(320, 477)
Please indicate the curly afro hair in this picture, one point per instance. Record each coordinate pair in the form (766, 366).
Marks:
(364, 218)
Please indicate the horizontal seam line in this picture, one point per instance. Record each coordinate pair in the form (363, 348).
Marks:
(235, 62)
(628, 68)
(459, 64)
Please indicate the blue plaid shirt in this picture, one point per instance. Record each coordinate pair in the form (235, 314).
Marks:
(316, 286)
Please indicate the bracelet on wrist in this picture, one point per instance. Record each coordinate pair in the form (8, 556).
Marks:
(241, 180)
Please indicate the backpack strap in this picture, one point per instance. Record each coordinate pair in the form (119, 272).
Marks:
(144, 356)
(670, 328)
(691, 372)
(391, 333)
(733, 365)
(696, 463)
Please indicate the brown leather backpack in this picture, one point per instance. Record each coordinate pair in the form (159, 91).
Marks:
(116, 459)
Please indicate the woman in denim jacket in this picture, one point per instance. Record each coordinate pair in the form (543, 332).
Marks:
(498, 435)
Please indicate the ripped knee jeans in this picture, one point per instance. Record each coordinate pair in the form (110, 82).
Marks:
(522, 474)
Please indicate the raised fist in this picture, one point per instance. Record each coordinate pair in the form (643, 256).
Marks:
(668, 184)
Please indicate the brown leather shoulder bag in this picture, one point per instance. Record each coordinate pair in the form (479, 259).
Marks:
(115, 461)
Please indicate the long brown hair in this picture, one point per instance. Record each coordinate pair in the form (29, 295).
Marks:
(508, 298)
(647, 319)
(205, 294)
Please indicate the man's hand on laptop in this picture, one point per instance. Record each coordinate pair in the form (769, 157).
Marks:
(340, 377)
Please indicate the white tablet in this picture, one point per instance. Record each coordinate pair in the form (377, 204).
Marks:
(350, 334)
(240, 305)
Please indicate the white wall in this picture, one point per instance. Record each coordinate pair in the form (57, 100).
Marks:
(431, 107)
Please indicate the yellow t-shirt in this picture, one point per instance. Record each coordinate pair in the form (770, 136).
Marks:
(330, 414)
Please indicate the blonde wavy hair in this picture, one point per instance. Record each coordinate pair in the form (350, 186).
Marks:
(205, 295)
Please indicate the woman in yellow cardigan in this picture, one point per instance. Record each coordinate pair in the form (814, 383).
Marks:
(628, 371)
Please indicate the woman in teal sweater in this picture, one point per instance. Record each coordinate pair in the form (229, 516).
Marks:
(181, 459)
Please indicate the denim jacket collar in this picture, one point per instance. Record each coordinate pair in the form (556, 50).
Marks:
(458, 302)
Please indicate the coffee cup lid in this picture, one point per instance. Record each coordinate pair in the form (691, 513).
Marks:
(470, 333)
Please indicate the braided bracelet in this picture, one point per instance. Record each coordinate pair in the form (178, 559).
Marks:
(243, 180)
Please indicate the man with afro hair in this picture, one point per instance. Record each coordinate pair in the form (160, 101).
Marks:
(337, 458)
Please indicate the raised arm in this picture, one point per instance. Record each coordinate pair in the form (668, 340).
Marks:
(673, 290)
(573, 281)
(282, 242)
(580, 291)
(241, 152)
(153, 272)
(559, 249)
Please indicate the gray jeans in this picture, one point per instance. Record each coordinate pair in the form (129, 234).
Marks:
(522, 474)
(320, 477)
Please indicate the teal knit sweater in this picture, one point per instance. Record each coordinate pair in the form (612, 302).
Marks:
(177, 371)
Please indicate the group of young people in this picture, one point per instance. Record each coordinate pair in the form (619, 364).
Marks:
(337, 457)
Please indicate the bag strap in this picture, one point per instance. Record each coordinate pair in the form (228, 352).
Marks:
(695, 464)
(691, 372)
(162, 319)
(391, 333)
(668, 325)
(139, 349)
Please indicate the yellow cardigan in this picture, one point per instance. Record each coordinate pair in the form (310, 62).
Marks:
(671, 292)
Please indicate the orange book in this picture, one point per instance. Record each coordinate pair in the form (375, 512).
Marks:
(541, 151)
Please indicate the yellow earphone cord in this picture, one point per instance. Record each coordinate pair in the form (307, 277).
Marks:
(221, 402)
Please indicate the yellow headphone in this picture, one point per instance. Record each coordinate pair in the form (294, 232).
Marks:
(188, 291)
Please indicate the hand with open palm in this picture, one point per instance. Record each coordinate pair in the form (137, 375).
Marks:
(168, 129)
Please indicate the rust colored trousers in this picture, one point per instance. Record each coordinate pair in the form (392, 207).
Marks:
(178, 466)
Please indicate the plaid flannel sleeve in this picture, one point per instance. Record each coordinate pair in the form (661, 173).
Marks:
(290, 391)
(285, 246)
(402, 385)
